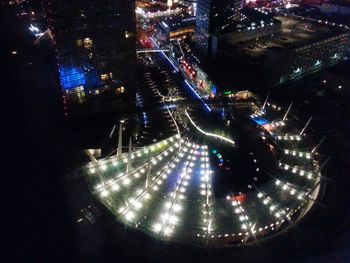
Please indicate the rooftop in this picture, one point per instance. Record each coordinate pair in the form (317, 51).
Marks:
(174, 23)
(295, 32)
(248, 18)
(157, 7)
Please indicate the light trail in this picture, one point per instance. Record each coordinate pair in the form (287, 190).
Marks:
(198, 96)
(176, 68)
(151, 50)
(216, 136)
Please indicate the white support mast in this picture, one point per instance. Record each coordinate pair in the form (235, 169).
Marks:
(120, 139)
(285, 115)
(318, 145)
(129, 165)
(265, 102)
(307, 124)
(148, 169)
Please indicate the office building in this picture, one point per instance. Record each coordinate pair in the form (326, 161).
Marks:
(175, 27)
(95, 46)
(251, 25)
(300, 48)
(211, 16)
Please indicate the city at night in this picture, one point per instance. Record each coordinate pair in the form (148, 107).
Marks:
(176, 130)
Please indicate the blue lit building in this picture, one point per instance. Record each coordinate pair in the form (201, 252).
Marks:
(96, 54)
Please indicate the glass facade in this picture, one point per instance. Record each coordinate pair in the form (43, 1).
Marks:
(211, 15)
(95, 46)
(202, 25)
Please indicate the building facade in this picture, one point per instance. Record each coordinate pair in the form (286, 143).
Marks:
(252, 26)
(211, 15)
(288, 50)
(175, 28)
(94, 42)
(312, 57)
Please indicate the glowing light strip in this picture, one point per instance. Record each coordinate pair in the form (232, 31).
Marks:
(286, 186)
(176, 68)
(209, 133)
(163, 226)
(151, 50)
(208, 203)
(142, 195)
(243, 217)
(117, 160)
(198, 96)
(295, 169)
(274, 207)
(294, 153)
(103, 186)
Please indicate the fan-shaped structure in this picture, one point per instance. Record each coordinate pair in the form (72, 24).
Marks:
(183, 189)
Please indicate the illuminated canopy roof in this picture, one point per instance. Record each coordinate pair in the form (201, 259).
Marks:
(166, 189)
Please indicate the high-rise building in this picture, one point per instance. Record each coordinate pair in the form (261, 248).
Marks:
(96, 54)
(212, 15)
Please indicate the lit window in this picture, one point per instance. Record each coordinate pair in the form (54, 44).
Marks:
(88, 43)
(128, 34)
(79, 43)
(120, 90)
(104, 77)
